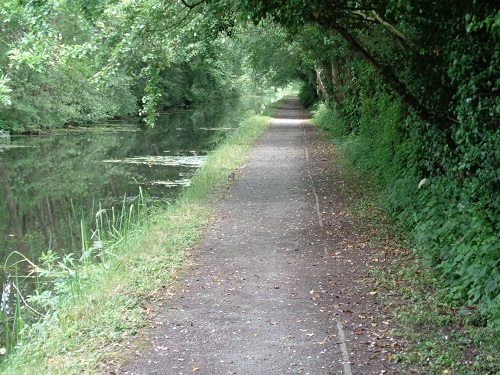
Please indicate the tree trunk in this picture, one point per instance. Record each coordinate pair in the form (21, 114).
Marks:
(321, 86)
(350, 80)
(338, 84)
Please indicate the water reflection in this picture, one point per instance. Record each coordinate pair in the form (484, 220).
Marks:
(49, 183)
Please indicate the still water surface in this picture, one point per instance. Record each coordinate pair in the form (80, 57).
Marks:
(48, 183)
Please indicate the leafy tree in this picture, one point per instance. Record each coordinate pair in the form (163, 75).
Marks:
(45, 53)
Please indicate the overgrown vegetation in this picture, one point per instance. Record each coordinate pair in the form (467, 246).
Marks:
(90, 303)
(435, 333)
(79, 61)
(40, 286)
(454, 224)
(440, 335)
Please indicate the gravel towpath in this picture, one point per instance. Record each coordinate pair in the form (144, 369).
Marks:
(278, 285)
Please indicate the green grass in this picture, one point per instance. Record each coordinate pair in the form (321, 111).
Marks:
(76, 334)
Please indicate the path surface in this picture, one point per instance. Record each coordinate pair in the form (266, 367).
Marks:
(277, 286)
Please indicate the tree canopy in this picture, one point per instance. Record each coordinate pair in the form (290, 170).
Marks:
(74, 61)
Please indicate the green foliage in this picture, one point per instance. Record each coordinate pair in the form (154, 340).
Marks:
(440, 334)
(76, 61)
(457, 235)
(413, 86)
(443, 336)
(45, 51)
(307, 95)
(454, 220)
(271, 58)
(4, 91)
(57, 97)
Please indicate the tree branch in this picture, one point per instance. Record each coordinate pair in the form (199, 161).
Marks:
(385, 73)
(391, 28)
(191, 6)
(168, 27)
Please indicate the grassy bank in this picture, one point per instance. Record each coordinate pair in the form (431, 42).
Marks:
(438, 334)
(115, 295)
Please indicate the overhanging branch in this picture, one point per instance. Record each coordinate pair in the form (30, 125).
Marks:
(385, 73)
(389, 27)
(194, 5)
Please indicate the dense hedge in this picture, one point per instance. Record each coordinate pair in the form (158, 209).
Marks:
(453, 220)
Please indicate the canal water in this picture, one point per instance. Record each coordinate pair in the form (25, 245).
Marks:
(50, 183)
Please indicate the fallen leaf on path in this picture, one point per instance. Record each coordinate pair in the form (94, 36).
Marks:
(195, 368)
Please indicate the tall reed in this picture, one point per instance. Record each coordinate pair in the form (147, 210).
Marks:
(10, 316)
(57, 278)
